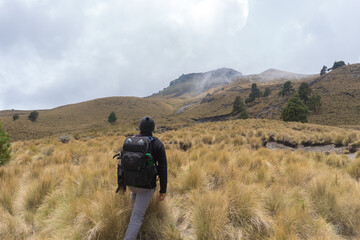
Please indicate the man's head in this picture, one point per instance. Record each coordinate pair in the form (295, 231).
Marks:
(147, 125)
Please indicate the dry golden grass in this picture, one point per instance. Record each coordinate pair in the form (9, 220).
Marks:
(226, 185)
(89, 118)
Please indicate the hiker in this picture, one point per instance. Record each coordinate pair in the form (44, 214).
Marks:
(143, 189)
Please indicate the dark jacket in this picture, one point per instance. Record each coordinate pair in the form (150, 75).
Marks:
(159, 155)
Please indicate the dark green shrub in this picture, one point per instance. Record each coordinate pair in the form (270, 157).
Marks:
(267, 92)
(33, 116)
(295, 110)
(112, 117)
(304, 91)
(239, 108)
(337, 65)
(287, 89)
(323, 70)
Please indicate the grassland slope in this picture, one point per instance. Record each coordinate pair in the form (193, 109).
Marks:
(87, 116)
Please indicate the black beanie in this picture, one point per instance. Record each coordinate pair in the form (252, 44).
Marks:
(147, 124)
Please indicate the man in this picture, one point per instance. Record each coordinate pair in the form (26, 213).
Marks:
(142, 195)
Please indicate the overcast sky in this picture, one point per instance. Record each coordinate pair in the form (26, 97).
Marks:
(54, 52)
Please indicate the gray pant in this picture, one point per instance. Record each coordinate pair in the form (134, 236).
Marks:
(141, 198)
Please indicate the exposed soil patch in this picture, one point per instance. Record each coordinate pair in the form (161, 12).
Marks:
(213, 118)
(182, 109)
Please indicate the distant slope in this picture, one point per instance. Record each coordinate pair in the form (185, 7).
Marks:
(87, 116)
(197, 83)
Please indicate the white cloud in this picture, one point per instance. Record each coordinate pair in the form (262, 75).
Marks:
(59, 52)
(78, 50)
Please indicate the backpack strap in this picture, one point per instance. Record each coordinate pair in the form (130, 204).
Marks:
(151, 151)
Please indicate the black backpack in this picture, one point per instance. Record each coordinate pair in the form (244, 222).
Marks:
(136, 165)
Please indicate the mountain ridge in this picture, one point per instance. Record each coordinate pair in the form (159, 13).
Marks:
(197, 83)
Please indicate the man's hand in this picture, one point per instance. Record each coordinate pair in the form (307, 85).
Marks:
(162, 196)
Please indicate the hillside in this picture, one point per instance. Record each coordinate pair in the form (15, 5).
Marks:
(90, 116)
(220, 101)
(339, 91)
(340, 96)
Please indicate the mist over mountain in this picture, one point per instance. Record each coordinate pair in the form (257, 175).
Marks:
(275, 74)
(208, 79)
(196, 83)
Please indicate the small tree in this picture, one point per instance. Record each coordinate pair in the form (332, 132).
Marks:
(337, 65)
(239, 108)
(255, 93)
(323, 70)
(314, 103)
(112, 117)
(4, 146)
(267, 92)
(33, 116)
(15, 117)
(295, 110)
(304, 91)
(287, 89)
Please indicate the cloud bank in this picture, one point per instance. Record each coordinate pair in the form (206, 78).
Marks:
(59, 52)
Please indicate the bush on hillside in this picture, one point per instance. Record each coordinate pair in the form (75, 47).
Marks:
(255, 93)
(304, 92)
(33, 116)
(4, 146)
(267, 92)
(239, 108)
(295, 110)
(112, 117)
(323, 70)
(337, 65)
(15, 117)
(287, 89)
